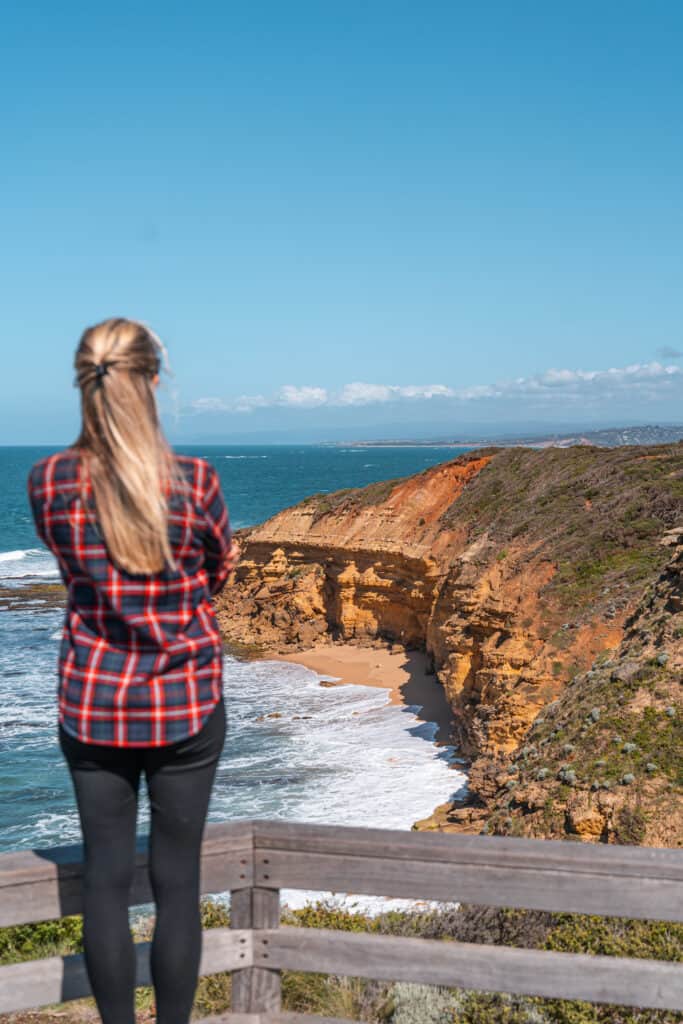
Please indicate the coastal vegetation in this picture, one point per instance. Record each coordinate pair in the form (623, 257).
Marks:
(350, 497)
(596, 513)
(603, 762)
(386, 1002)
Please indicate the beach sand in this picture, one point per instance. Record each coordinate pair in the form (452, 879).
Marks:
(403, 673)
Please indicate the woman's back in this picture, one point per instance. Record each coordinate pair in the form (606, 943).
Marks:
(140, 660)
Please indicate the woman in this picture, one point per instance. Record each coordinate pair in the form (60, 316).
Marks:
(143, 540)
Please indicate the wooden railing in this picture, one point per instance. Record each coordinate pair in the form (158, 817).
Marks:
(255, 859)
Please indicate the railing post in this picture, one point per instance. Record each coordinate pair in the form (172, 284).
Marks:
(255, 989)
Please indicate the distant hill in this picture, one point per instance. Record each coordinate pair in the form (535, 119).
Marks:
(611, 437)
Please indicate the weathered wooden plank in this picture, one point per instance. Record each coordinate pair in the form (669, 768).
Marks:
(647, 984)
(501, 851)
(43, 884)
(304, 1018)
(227, 856)
(241, 917)
(234, 1018)
(22, 865)
(60, 979)
(39, 885)
(256, 989)
(272, 1018)
(537, 888)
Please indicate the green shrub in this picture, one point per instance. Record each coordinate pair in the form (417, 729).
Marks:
(423, 1004)
(42, 939)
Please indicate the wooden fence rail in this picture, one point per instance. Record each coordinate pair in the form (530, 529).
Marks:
(254, 860)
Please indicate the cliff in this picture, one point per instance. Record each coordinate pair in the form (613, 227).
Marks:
(517, 570)
(604, 762)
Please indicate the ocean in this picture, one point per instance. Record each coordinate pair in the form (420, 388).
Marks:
(335, 755)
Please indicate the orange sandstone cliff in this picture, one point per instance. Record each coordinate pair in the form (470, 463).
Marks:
(516, 570)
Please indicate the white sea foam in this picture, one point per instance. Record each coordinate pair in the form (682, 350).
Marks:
(10, 556)
(28, 564)
(335, 755)
(53, 829)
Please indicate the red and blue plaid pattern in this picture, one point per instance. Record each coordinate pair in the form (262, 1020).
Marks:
(140, 662)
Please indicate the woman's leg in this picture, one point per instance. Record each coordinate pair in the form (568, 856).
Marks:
(106, 783)
(179, 780)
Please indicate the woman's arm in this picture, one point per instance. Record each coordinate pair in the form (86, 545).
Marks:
(221, 552)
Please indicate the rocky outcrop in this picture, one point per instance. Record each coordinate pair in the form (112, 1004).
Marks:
(516, 570)
(604, 762)
(355, 565)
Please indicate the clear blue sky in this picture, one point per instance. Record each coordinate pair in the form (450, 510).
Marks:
(327, 207)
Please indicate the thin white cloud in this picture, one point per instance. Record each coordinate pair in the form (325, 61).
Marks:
(639, 380)
(302, 398)
(209, 405)
(645, 380)
(360, 393)
(243, 403)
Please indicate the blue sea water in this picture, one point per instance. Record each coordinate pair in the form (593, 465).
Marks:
(337, 755)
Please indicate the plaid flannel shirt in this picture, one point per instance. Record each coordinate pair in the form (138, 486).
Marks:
(140, 662)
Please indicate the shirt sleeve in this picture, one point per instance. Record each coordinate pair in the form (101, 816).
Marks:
(217, 533)
(35, 489)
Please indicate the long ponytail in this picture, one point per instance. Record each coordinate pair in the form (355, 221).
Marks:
(124, 453)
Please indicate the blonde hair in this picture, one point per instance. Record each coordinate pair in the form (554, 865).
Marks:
(123, 450)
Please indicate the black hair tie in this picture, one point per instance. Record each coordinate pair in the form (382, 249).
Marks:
(101, 370)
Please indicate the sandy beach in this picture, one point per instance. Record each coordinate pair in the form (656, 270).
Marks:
(403, 673)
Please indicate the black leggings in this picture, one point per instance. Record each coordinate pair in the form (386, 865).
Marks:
(106, 781)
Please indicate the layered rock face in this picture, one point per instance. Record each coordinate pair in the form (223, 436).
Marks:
(354, 565)
(604, 762)
(513, 568)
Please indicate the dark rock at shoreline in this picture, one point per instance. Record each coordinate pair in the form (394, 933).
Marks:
(35, 597)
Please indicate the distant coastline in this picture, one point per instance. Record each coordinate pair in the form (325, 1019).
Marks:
(612, 437)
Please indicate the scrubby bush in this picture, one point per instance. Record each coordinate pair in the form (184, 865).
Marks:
(40, 940)
(424, 1004)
